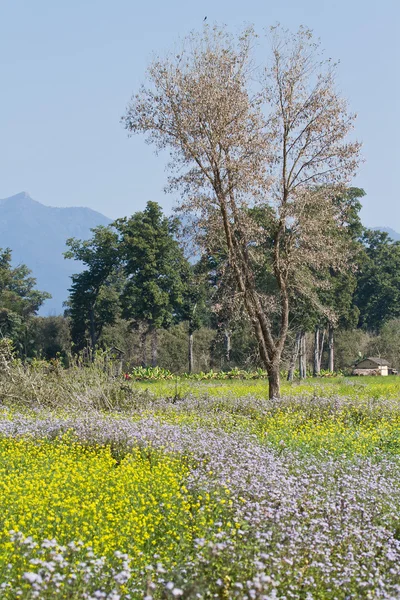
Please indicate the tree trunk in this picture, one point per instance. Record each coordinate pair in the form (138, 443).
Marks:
(154, 347)
(317, 364)
(294, 356)
(143, 343)
(270, 348)
(321, 348)
(274, 381)
(227, 334)
(302, 356)
(331, 359)
(93, 339)
(190, 351)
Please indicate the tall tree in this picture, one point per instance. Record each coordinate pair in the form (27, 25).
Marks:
(233, 147)
(154, 266)
(193, 308)
(333, 307)
(339, 294)
(51, 337)
(378, 287)
(19, 300)
(94, 294)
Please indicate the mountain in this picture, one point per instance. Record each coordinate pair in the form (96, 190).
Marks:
(391, 232)
(36, 235)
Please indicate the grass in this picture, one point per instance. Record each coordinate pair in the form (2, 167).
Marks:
(354, 387)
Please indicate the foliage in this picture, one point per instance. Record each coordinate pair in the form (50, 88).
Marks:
(149, 373)
(173, 348)
(50, 337)
(17, 288)
(153, 265)
(158, 374)
(378, 287)
(94, 294)
(194, 309)
(19, 301)
(351, 346)
(387, 343)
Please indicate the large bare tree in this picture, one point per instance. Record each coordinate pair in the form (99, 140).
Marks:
(244, 137)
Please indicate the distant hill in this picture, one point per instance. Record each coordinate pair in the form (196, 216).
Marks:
(36, 235)
(391, 232)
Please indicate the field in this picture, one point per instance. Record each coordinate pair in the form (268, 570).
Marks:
(354, 387)
(122, 490)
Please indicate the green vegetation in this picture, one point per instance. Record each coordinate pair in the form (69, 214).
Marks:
(364, 387)
(19, 302)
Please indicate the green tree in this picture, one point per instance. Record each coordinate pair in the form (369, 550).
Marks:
(344, 313)
(378, 284)
(19, 302)
(154, 266)
(193, 308)
(51, 337)
(387, 343)
(351, 345)
(94, 293)
(332, 307)
(17, 288)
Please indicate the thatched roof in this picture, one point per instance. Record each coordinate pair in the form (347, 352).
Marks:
(380, 362)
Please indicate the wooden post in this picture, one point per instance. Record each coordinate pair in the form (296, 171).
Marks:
(190, 351)
(294, 356)
(303, 356)
(331, 360)
(317, 364)
(154, 347)
(227, 346)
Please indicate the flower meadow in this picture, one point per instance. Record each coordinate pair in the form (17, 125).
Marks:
(202, 497)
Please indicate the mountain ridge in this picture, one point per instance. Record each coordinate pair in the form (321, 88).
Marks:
(391, 232)
(37, 233)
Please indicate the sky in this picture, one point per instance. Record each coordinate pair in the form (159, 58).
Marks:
(69, 68)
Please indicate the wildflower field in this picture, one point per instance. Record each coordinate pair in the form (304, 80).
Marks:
(119, 491)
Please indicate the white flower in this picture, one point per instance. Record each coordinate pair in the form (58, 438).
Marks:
(32, 577)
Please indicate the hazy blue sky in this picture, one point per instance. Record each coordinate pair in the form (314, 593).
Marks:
(69, 67)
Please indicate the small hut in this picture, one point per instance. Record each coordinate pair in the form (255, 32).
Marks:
(373, 366)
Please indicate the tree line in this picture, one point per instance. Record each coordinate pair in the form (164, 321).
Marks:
(139, 292)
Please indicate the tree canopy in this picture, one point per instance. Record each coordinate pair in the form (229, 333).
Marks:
(19, 300)
(94, 294)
